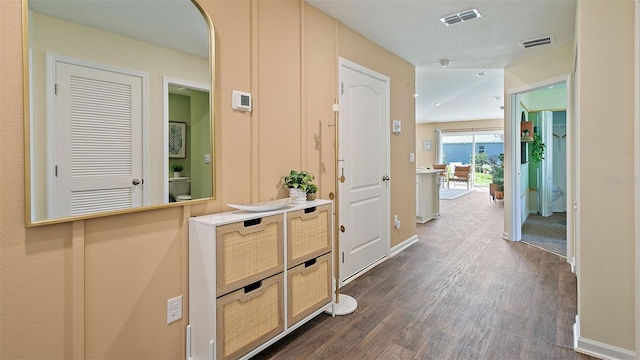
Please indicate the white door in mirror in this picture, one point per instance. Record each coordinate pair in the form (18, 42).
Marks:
(241, 101)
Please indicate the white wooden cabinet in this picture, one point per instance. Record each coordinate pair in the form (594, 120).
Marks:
(427, 195)
(256, 276)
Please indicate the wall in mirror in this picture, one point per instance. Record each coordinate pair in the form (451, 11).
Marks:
(105, 79)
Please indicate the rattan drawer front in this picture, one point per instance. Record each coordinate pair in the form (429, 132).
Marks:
(246, 320)
(248, 251)
(309, 287)
(308, 234)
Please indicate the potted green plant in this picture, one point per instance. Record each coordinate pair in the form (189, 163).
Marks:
(177, 169)
(312, 191)
(537, 149)
(297, 183)
(496, 188)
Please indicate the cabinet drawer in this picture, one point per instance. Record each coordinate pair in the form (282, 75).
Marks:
(308, 234)
(248, 251)
(250, 316)
(309, 288)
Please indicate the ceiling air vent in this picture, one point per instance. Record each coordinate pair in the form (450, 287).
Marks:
(460, 17)
(545, 40)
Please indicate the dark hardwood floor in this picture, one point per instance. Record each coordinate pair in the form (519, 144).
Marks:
(461, 292)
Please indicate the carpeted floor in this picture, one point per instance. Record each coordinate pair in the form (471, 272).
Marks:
(451, 194)
(547, 233)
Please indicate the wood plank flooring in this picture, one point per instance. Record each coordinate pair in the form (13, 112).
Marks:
(461, 292)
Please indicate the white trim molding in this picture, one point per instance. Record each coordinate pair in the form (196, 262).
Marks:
(636, 186)
(403, 245)
(597, 348)
(392, 252)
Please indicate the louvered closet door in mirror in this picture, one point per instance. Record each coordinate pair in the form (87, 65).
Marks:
(98, 126)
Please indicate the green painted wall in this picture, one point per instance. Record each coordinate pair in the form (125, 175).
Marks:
(200, 145)
(180, 111)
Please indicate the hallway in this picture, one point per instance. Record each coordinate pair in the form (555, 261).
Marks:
(460, 292)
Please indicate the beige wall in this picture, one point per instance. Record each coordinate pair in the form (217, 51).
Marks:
(99, 287)
(428, 132)
(606, 109)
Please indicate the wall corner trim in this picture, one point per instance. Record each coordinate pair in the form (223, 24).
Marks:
(597, 348)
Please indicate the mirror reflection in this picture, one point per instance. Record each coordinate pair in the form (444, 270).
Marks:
(119, 98)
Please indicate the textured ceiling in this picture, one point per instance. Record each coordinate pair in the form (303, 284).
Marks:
(410, 29)
(413, 31)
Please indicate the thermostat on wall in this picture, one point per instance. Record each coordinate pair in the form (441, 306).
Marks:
(241, 101)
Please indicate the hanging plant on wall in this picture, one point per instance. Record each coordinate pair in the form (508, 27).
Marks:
(537, 149)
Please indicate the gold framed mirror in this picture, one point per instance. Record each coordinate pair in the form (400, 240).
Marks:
(118, 94)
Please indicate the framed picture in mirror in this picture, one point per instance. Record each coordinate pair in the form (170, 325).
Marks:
(177, 140)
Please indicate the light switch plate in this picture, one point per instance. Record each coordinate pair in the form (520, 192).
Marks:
(397, 126)
(412, 157)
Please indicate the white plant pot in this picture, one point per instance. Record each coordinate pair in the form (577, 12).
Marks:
(297, 196)
(176, 174)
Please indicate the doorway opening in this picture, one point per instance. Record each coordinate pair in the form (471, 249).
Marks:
(186, 114)
(541, 167)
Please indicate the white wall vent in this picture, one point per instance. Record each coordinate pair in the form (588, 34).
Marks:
(545, 40)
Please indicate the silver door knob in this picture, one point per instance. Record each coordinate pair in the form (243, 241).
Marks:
(385, 178)
(136, 182)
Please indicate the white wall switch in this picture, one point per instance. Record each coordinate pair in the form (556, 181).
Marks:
(207, 158)
(397, 126)
(174, 309)
(412, 157)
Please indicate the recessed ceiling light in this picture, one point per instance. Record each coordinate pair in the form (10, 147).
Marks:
(436, 104)
(460, 17)
(444, 62)
(481, 74)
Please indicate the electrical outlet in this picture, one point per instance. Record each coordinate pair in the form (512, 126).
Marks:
(174, 309)
(396, 222)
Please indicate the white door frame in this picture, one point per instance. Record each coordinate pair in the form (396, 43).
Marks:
(166, 81)
(636, 185)
(513, 221)
(356, 67)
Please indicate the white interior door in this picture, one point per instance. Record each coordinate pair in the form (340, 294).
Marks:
(364, 162)
(98, 153)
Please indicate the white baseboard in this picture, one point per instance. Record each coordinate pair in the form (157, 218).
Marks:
(403, 245)
(597, 348)
(392, 252)
(573, 264)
